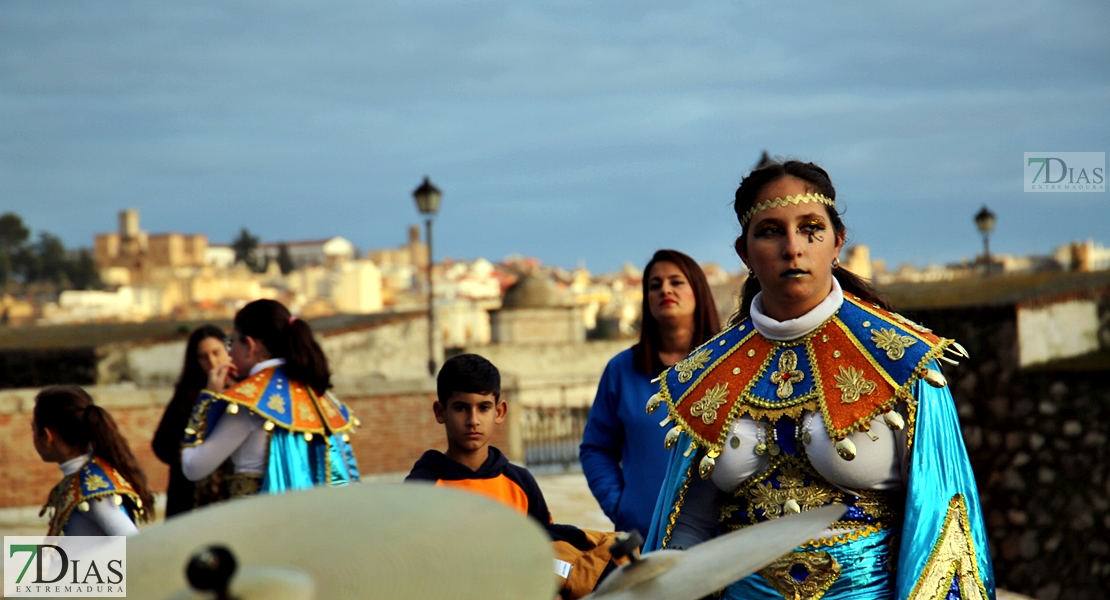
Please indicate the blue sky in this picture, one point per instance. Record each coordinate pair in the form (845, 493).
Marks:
(569, 131)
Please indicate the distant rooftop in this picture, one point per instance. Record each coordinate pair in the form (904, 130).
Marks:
(995, 290)
(95, 335)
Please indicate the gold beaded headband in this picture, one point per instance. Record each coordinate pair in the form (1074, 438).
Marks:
(777, 202)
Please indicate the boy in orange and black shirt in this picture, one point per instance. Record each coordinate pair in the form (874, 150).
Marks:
(470, 407)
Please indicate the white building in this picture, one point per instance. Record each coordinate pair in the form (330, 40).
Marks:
(313, 252)
(221, 257)
(356, 287)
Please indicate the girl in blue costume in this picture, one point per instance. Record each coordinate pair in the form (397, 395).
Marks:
(103, 491)
(270, 411)
(622, 450)
(818, 394)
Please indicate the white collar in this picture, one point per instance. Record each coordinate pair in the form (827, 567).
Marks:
(796, 328)
(266, 364)
(73, 465)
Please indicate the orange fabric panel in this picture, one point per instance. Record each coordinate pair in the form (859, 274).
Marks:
(847, 355)
(500, 488)
(738, 358)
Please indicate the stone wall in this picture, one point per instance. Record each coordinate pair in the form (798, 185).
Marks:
(1037, 439)
(560, 374)
(394, 349)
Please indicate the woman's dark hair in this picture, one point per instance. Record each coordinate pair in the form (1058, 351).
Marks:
(470, 374)
(193, 376)
(817, 181)
(284, 336)
(69, 412)
(645, 354)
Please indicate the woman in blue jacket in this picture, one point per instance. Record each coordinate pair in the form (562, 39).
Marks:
(622, 450)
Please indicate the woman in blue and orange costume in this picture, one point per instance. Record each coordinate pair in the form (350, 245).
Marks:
(270, 411)
(817, 394)
(103, 491)
(622, 452)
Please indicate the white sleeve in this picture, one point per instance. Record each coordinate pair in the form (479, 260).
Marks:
(697, 522)
(198, 462)
(111, 518)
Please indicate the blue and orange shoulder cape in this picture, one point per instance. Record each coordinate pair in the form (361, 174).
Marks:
(309, 433)
(854, 368)
(95, 479)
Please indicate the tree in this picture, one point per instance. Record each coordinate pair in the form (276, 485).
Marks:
(12, 235)
(52, 262)
(284, 261)
(246, 246)
(83, 272)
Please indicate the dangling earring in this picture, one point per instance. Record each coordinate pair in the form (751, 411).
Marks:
(836, 262)
(751, 273)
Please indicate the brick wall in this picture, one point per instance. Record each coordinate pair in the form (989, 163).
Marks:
(397, 427)
(28, 480)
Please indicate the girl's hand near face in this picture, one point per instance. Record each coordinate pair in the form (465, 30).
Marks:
(222, 377)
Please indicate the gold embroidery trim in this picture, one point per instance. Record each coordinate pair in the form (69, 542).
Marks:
(822, 571)
(276, 403)
(852, 384)
(773, 501)
(688, 365)
(893, 342)
(95, 482)
(911, 423)
(678, 505)
(759, 408)
(706, 408)
(787, 201)
(788, 374)
(844, 538)
(953, 555)
(64, 499)
(241, 485)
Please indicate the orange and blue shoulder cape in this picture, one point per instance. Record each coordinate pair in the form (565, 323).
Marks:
(309, 433)
(852, 369)
(95, 479)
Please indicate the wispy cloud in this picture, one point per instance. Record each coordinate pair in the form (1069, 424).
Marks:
(582, 130)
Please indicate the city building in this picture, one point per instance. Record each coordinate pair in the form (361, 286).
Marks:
(308, 253)
(126, 256)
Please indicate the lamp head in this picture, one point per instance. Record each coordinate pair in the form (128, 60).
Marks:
(427, 198)
(984, 220)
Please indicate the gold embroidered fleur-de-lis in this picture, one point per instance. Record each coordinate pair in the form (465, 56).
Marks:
(706, 408)
(247, 389)
(787, 375)
(276, 403)
(688, 365)
(893, 342)
(95, 482)
(305, 413)
(852, 384)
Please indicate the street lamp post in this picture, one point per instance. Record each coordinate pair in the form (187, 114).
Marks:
(984, 220)
(427, 198)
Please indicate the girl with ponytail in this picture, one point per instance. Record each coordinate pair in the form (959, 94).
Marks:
(270, 412)
(103, 492)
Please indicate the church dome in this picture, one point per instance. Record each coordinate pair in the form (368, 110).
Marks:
(531, 292)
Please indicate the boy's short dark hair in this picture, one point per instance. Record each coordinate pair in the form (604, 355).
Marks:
(468, 373)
